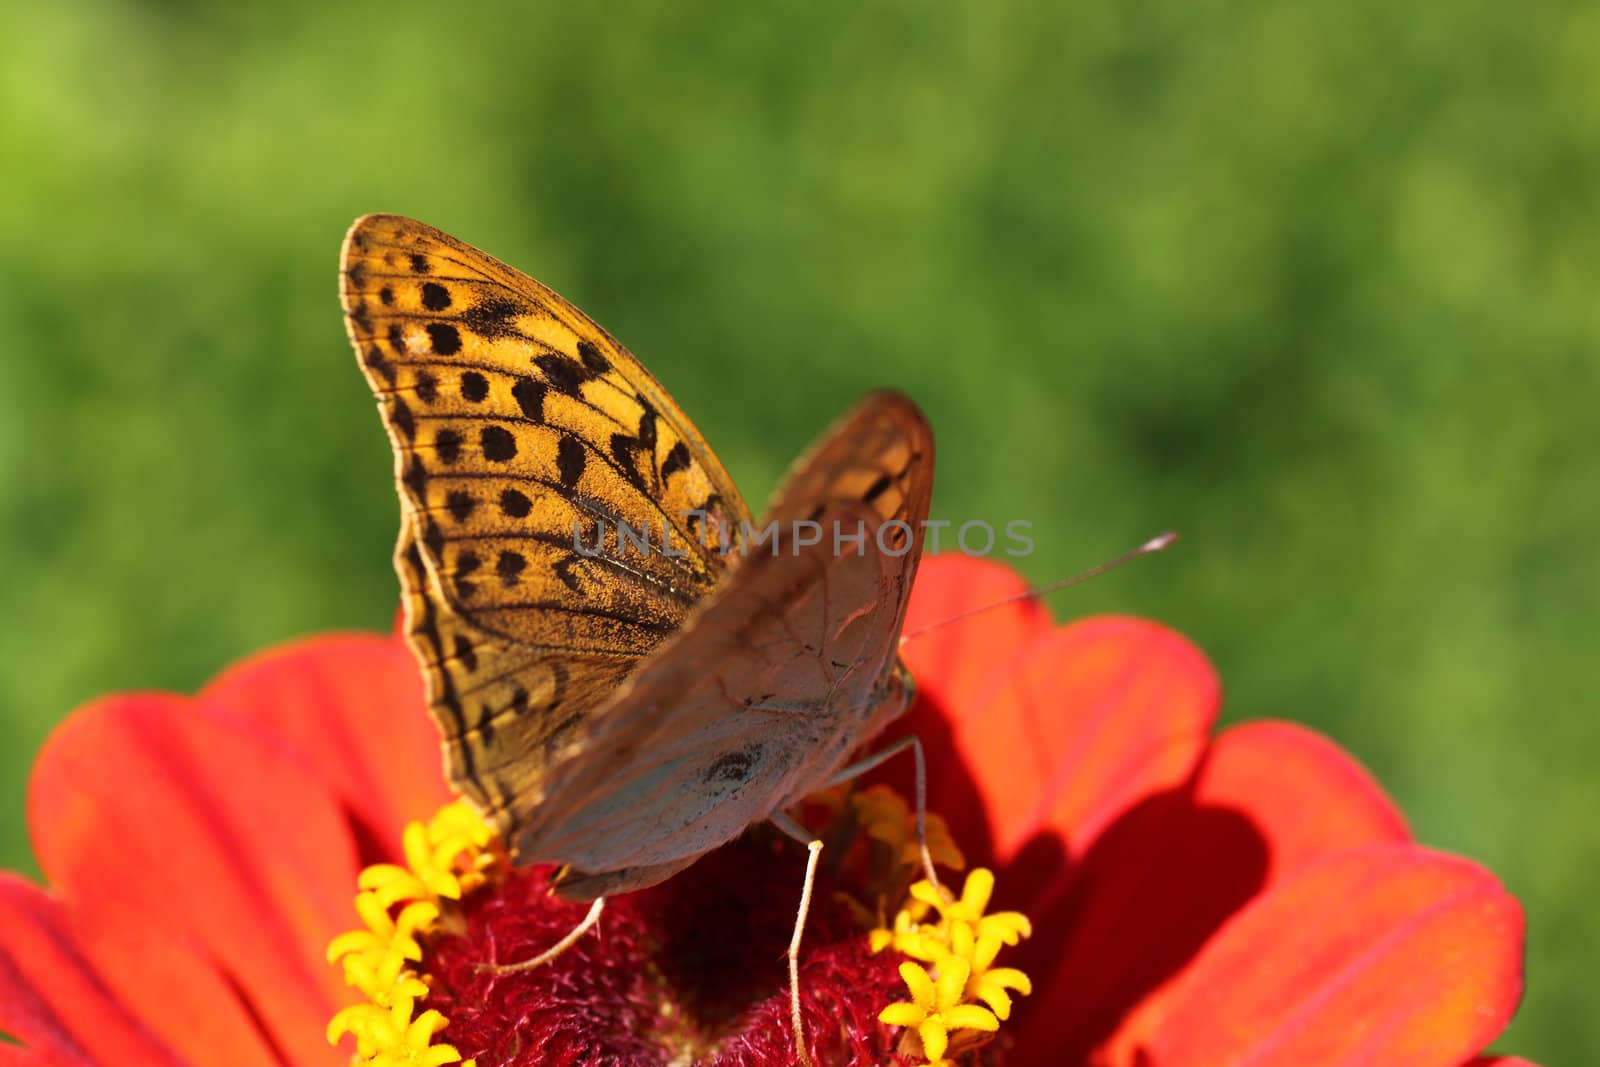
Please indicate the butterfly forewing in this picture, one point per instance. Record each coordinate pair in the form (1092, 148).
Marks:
(523, 435)
(501, 708)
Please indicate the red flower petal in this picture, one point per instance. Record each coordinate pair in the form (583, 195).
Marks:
(14, 1056)
(1096, 718)
(161, 819)
(51, 998)
(953, 667)
(1389, 954)
(956, 664)
(119, 995)
(1092, 717)
(1307, 795)
(349, 707)
(1270, 798)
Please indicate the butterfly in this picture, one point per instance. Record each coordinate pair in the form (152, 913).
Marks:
(614, 711)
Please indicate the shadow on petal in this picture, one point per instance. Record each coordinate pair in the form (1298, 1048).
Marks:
(1141, 904)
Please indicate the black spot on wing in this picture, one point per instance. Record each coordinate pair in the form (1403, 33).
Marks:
(400, 418)
(565, 374)
(570, 460)
(467, 564)
(625, 451)
(415, 476)
(419, 263)
(433, 539)
(375, 360)
(593, 359)
(509, 567)
(732, 769)
(493, 318)
(514, 504)
(474, 387)
(460, 504)
(497, 443)
(464, 653)
(447, 444)
(413, 557)
(426, 386)
(529, 396)
(435, 297)
(647, 427)
(563, 571)
(677, 460)
(445, 338)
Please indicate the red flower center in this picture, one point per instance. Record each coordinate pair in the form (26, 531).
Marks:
(689, 971)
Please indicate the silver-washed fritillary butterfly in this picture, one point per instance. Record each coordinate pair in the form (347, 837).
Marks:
(616, 711)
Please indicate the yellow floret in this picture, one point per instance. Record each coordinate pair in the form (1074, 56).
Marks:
(936, 1007)
(960, 950)
(446, 858)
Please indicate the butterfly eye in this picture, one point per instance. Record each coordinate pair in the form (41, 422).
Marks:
(900, 692)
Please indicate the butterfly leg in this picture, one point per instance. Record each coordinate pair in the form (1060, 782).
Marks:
(860, 767)
(814, 849)
(589, 922)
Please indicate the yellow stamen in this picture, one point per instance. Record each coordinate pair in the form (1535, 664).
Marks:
(446, 858)
(1010, 926)
(960, 950)
(987, 982)
(936, 1007)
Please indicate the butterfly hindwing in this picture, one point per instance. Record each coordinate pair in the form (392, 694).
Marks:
(881, 455)
(523, 433)
(771, 683)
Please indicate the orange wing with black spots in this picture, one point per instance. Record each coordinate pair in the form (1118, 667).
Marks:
(522, 431)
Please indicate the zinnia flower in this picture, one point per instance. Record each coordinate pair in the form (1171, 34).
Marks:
(1249, 898)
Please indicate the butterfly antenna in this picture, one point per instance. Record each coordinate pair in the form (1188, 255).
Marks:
(1155, 544)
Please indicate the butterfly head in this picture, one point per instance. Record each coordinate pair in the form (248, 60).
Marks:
(896, 693)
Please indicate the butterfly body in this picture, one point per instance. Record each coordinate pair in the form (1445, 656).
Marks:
(619, 711)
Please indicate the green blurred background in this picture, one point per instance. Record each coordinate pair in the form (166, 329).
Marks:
(1312, 283)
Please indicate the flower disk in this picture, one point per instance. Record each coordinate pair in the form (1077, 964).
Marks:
(681, 972)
